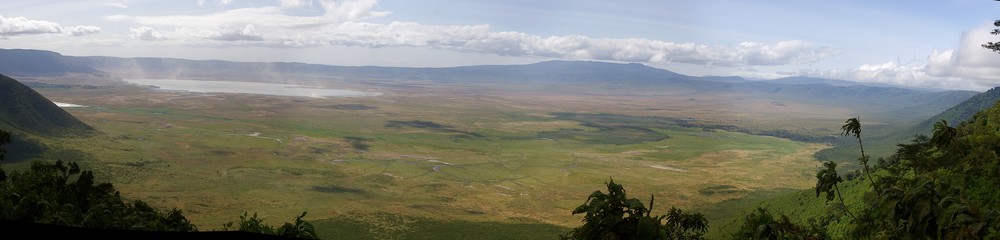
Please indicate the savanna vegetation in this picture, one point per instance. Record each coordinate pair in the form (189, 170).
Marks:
(61, 193)
(938, 187)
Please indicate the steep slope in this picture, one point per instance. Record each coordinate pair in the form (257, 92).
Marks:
(21, 108)
(882, 142)
(963, 111)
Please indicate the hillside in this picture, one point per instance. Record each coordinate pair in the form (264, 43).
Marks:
(24, 62)
(881, 142)
(25, 110)
(963, 111)
(943, 186)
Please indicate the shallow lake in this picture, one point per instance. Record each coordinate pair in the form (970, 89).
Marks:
(68, 105)
(248, 87)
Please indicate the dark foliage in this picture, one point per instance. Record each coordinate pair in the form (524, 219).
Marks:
(55, 194)
(358, 143)
(350, 107)
(431, 126)
(762, 225)
(943, 187)
(62, 194)
(995, 46)
(253, 224)
(613, 215)
(780, 133)
(827, 181)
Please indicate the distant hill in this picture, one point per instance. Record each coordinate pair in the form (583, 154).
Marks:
(23, 109)
(24, 62)
(912, 105)
(835, 82)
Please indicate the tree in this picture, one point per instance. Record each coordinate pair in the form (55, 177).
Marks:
(826, 182)
(942, 187)
(762, 225)
(4, 139)
(943, 134)
(995, 46)
(253, 224)
(61, 193)
(613, 215)
(853, 127)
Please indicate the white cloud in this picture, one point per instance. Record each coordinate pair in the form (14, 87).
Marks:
(145, 33)
(341, 24)
(345, 11)
(116, 4)
(81, 30)
(294, 3)
(22, 26)
(225, 2)
(479, 38)
(970, 67)
(970, 61)
(249, 33)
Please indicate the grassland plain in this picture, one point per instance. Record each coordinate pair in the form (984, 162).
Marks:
(408, 164)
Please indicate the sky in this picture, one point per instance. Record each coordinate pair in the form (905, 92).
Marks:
(927, 44)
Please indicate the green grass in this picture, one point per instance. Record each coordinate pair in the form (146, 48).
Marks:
(390, 226)
(798, 205)
(459, 169)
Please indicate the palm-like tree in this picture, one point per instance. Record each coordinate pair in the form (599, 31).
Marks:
(943, 134)
(853, 127)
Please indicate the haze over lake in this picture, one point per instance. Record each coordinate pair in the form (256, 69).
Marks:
(248, 87)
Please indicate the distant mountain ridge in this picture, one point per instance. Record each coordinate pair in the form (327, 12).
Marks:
(571, 76)
(835, 82)
(24, 62)
(23, 109)
(40, 62)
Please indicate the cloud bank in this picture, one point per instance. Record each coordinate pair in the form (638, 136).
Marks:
(342, 24)
(970, 67)
(15, 26)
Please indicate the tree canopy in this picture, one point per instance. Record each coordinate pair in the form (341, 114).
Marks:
(613, 215)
